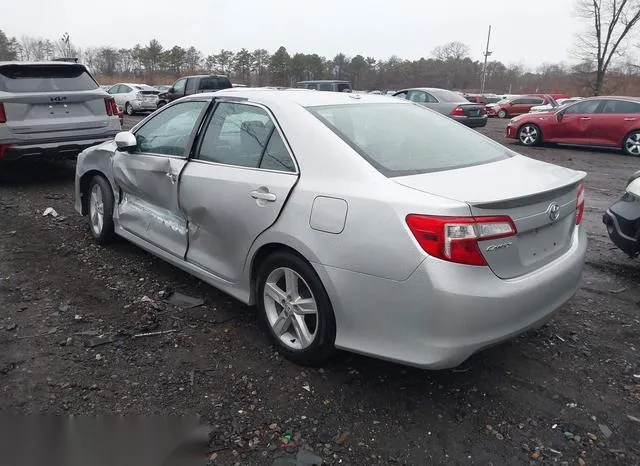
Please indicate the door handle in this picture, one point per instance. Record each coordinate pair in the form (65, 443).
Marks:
(630, 119)
(263, 195)
(585, 118)
(173, 178)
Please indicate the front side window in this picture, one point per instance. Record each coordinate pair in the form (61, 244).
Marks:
(244, 136)
(518, 101)
(179, 86)
(587, 106)
(400, 139)
(168, 132)
(326, 87)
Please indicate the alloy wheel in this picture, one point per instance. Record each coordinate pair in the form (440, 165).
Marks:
(632, 144)
(529, 135)
(96, 209)
(291, 309)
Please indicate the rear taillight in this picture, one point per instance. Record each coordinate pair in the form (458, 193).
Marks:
(455, 239)
(3, 149)
(580, 205)
(458, 111)
(3, 115)
(111, 106)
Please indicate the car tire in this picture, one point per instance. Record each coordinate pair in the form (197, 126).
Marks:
(128, 108)
(295, 309)
(529, 135)
(100, 204)
(502, 114)
(631, 144)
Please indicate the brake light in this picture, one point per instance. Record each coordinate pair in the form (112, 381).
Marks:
(111, 106)
(455, 239)
(580, 204)
(458, 111)
(4, 148)
(3, 115)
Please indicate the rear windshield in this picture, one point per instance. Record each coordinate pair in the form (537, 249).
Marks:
(214, 83)
(45, 78)
(447, 96)
(405, 139)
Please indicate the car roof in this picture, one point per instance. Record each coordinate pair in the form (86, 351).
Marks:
(323, 81)
(302, 97)
(427, 89)
(31, 63)
(613, 97)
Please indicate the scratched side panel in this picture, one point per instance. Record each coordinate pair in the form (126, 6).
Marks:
(148, 204)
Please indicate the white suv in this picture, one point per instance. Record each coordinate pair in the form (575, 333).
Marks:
(53, 110)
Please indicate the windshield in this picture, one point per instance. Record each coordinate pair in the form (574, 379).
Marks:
(404, 139)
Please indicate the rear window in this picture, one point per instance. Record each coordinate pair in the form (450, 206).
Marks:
(401, 139)
(45, 78)
(214, 83)
(448, 96)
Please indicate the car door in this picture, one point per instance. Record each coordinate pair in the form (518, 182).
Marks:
(178, 89)
(115, 91)
(147, 177)
(235, 186)
(574, 123)
(517, 107)
(614, 120)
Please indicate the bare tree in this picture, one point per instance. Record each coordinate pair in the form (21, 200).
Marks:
(451, 51)
(611, 21)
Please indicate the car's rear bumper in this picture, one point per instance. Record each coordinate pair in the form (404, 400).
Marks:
(444, 312)
(472, 122)
(144, 105)
(52, 149)
(623, 224)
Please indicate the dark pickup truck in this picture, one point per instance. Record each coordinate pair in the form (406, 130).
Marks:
(193, 85)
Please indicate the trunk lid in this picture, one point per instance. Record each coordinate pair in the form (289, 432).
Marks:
(472, 110)
(43, 112)
(530, 192)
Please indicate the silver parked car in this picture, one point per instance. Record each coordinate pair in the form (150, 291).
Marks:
(352, 221)
(453, 104)
(52, 109)
(135, 98)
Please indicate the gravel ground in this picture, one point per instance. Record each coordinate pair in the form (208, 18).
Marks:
(568, 393)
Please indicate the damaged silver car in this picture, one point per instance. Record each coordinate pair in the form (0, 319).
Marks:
(360, 222)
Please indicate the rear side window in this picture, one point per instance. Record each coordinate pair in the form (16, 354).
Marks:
(325, 87)
(214, 83)
(620, 106)
(45, 78)
(401, 139)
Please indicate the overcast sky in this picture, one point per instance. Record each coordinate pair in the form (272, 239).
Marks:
(527, 32)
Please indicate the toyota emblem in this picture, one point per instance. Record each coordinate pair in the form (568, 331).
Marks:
(554, 211)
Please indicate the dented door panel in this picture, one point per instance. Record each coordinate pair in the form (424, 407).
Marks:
(148, 206)
(227, 207)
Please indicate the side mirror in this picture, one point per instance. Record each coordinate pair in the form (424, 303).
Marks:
(559, 116)
(171, 90)
(125, 140)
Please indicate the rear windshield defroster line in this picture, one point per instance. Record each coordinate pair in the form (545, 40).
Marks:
(401, 139)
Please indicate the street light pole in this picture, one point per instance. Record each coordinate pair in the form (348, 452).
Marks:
(486, 56)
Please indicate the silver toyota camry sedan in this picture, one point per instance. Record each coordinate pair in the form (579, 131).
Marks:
(352, 221)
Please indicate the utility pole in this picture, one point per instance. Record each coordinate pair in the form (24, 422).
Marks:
(486, 56)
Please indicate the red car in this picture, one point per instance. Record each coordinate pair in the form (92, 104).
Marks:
(518, 105)
(597, 121)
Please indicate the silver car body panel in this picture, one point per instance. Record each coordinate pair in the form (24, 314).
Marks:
(390, 299)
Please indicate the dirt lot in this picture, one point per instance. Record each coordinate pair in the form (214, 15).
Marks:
(566, 394)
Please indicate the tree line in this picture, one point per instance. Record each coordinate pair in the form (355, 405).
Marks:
(600, 69)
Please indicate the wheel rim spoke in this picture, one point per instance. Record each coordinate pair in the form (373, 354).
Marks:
(282, 324)
(274, 292)
(301, 330)
(291, 279)
(306, 306)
